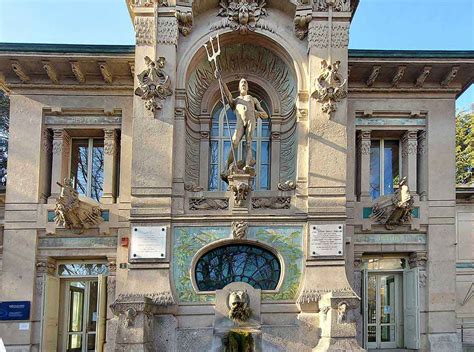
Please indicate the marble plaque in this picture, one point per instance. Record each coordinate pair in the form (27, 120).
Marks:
(148, 242)
(326, 240)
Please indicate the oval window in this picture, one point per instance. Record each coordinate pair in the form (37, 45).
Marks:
(254, 265)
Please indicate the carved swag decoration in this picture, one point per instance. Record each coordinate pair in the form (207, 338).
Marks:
(330, 87)
(154, 84)
(394, 210)
(73, 213)
(242, 15)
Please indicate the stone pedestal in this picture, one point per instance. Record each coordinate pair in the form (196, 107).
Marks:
(240, 185)
(338, 329)
(135, 319)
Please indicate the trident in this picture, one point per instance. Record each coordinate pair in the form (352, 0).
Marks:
(213, 58)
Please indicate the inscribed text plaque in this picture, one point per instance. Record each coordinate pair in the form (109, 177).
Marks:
(148, 242)
(326, 240)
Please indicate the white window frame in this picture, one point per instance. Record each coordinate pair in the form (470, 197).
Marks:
(382, 161)
(90, 146)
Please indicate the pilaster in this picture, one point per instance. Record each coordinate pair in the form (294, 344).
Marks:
(60, 163)
(110, 162)
(327, 139)
(409, 153)
(364, 157)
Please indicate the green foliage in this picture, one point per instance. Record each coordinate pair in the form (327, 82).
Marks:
(465, 148)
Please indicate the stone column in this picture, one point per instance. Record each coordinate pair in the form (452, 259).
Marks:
(110, 163)
(409, 151)
(60, 167)
(364, 157)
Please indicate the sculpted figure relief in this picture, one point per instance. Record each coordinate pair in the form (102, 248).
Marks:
(239, 302)
(394, 210)
(73, 213)
(247, 109)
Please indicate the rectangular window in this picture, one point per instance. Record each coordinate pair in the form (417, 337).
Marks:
(87, 166)
(384, 167)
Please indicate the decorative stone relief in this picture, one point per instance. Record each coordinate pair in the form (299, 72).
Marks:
(239, 306)
(47, 141)
(318, 34)
(45, 266)
(418, 260)
(110, 142)
(450, 76)
(239, 229)
(301, 22)
(421, 145)
(340, 35)
(185, 21)
(287, 186)
(409, 144)
(51, 72)
(364, 140)
(60, 141)
(106, 72)
(336, 5)
(242, 15)
(20, 72)
(192, 159)
(373, 75)
(420, 81)
(398, 75)
(240, 188)
(192, 187)
(271, 203)
(288, 150)
(77, 71)
(167, 30)
(154, 84)
(394, 210)
(73, 213)
(144, 30)
(208, 204)
(330, 87)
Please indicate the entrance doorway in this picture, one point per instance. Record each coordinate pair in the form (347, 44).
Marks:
(384, 296)
(81, 300)
(390, 304)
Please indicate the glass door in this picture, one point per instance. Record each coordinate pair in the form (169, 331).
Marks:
(82, 313)
(383, 305)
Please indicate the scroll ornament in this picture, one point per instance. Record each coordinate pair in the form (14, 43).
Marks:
(154, 84)
(330, 87)
(73, 213)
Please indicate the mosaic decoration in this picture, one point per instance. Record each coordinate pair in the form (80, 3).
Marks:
(287, 241)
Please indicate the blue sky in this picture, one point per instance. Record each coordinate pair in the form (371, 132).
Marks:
(378, 24)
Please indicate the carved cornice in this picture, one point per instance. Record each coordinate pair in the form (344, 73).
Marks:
(20, 72)
(373, 76)
(51, 72)
(398, 75)
(105, 71)
(77, 71)
(420, 81)
(450, 76)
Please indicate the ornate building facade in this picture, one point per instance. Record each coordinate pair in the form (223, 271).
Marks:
(125, 229)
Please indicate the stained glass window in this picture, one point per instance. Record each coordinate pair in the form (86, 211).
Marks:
(254, 265)
(220, 147)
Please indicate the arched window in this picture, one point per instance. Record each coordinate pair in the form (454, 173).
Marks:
(254, 265)
(220, 147)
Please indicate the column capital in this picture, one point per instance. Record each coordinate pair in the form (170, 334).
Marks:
(418, 259)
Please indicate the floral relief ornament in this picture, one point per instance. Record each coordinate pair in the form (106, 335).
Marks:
(243, 15)
(330, 87)
(154, 84)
